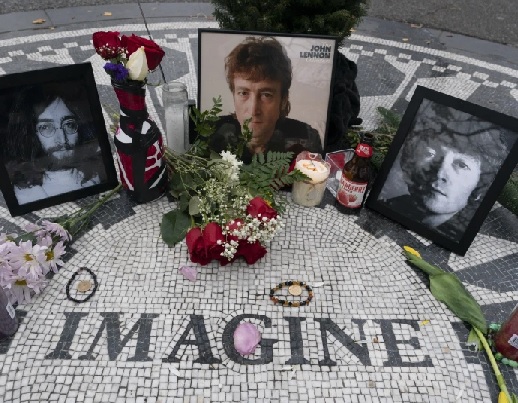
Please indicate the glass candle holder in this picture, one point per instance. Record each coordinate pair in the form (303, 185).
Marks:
(176, 116)
(310, 193)
(506, 339)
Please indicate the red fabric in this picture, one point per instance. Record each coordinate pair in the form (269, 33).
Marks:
(130, 101)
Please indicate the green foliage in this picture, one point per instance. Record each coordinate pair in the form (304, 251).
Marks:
(174, 226)
(447, 288)
(320, 17)
(205, 124)
(267, 174)
(509, 196)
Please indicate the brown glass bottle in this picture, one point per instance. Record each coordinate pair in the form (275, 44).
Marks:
(356, 175)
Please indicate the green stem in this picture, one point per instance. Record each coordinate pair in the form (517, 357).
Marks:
(75, 222)
(499, 377)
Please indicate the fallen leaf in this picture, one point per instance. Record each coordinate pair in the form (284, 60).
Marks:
(405, 39)
(425, 322)
(107, 14)
(375, 339)
(416, 25)
(39, 21)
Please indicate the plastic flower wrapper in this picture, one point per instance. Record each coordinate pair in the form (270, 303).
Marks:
(246, 338)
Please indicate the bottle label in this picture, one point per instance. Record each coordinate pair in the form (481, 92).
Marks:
(513, 341)
(10, 310)
(350, 194)
(364, 150)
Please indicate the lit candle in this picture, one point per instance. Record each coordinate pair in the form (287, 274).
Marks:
(310, 193)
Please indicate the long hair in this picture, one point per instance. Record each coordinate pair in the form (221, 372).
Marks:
(26, 160)
(259, 59)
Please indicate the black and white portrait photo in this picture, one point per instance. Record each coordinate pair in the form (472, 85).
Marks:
(50, 142)
(444, 168)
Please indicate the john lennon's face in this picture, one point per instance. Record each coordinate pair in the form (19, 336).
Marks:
(261, 101)
(56, 129)
(444, 178)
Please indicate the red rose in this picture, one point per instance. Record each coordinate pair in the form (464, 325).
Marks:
(252, 252)
(107, 44)
(258, 206)
(154, 53)
(203, 244)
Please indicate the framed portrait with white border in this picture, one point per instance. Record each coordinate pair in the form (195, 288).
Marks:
(53, 139)
(281, 82)
(446, 167)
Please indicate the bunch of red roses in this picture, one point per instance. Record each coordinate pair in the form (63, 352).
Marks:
(240, 237)
(128, 56)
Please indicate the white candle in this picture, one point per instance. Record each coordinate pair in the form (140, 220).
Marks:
(316, 170)
(310, 193)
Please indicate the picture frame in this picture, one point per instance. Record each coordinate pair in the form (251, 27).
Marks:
(312, 60)
(445, 168)
(54, 147)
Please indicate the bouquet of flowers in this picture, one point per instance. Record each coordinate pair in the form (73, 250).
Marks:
(26, 259)
(225, 209)
(129, 57)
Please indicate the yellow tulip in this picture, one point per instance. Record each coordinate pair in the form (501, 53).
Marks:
(502, 398)
(411, 251)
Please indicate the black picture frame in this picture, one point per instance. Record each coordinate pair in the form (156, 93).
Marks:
(444, 141)
(30, 179)
(313, 59)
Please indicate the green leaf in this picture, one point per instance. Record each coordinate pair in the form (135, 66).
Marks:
(474, 340)
(514, 398)
(447, 288)
(423, 265)
(194, 205)
(174, 227)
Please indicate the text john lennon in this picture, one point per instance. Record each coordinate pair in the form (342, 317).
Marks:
(193, 336)
(317, 52)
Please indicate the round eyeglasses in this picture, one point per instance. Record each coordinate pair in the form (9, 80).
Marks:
(48, 129)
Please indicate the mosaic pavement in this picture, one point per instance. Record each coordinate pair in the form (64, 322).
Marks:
(373, 331)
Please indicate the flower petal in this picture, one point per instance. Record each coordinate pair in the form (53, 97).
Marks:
(246, 338)
(189, 272)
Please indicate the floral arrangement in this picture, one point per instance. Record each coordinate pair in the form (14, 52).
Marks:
(225, 209)
(129, 57)
(26, 259)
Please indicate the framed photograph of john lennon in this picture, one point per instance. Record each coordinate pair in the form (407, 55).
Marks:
(281, 82)
(447, 165)
(54, 146)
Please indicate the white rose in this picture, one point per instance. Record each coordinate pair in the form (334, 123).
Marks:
(137, 65)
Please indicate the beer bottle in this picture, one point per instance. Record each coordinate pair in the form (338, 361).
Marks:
(355, 176)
